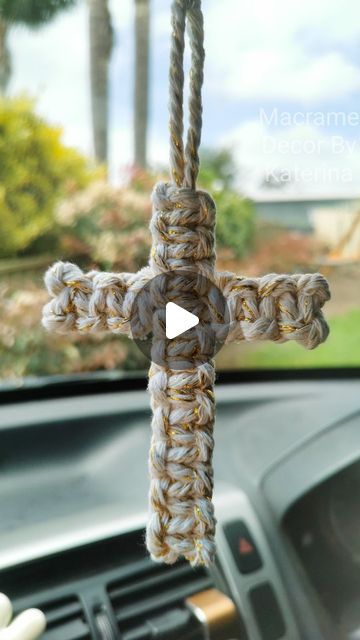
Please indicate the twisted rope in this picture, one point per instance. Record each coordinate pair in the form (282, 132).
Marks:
(184, 168)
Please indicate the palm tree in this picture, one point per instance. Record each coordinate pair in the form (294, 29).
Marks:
(5, 60)
(141, 89)
(35, 13)
(101, 41)
(31, 13)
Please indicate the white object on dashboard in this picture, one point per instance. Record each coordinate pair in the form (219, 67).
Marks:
(28, 625)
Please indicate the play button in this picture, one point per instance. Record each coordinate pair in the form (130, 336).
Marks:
(178, 320)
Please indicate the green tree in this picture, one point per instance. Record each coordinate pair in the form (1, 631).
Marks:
(141, 88)
(235, 222)
(5, 59)
(101, 41)
(36, 170)
(35, 13)
(31, 13)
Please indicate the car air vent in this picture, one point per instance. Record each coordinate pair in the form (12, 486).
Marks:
(149, 602)
(65, 620)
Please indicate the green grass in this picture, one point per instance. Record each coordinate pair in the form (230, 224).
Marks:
(342, 349)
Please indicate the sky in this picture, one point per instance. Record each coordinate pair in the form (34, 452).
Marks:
(282, 87)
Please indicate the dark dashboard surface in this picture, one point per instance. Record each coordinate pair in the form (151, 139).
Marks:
(81, 463)
(324, 528)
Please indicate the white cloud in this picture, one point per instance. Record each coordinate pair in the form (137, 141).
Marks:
(315, 160)
(256, 50)
(122, 13)
(121, 150)
(269, 74)
(51, 64)
(282, 50)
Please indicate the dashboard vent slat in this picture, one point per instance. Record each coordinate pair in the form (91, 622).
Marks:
(65, 620)
(64, 609)
(154, 580)
(153, 597)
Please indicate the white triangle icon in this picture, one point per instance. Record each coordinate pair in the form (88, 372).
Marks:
(178, 320)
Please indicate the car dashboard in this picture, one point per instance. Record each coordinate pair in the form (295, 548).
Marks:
(73, 502)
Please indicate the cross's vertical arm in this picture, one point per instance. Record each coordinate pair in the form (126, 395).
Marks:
(181, 478)
(182, 521)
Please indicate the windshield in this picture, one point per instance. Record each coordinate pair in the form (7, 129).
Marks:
(84, 138)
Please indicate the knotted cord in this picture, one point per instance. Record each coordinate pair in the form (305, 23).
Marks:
(183, 224)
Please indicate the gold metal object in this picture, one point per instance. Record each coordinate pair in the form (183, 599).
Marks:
(217, 614)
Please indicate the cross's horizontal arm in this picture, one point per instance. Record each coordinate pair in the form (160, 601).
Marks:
(94, 301)
(276, 307)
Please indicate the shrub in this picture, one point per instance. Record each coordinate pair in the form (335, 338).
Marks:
(27, 350)
(36, 169)
(106, 226)
(235, 222)
(32, 12)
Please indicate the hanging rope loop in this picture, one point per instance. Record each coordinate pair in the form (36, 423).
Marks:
(184, 164)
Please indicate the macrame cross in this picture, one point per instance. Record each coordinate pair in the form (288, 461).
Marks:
(273, 307)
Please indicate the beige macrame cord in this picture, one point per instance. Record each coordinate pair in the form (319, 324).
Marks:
(273, 307)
